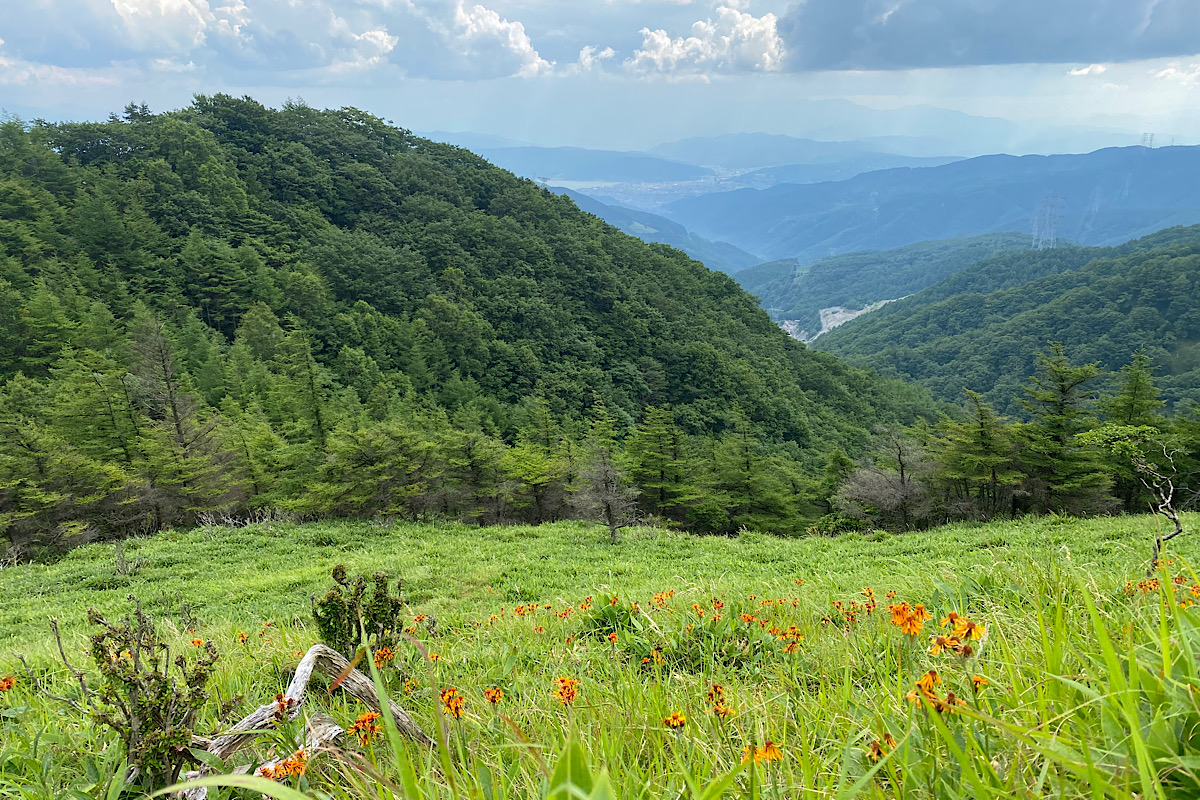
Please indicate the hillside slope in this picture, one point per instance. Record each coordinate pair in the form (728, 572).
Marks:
(230, 307)
(789, 631)
(979, 328)
(1100, 198)
(720, 256)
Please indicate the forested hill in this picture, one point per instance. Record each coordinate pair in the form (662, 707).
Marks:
(230, 308)
(979, 328)
(855, 280)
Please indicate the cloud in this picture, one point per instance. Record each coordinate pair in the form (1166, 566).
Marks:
(1188, 76)
(736, 41)
(367, 50)
(1090, 69)
(179, 25)
(18, 72)
(485, 34)
(591, 57)
(909, 34)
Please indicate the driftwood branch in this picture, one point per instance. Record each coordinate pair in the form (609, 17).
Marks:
(322, 732)
(321, 729)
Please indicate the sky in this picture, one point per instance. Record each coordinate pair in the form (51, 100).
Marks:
(627, 74)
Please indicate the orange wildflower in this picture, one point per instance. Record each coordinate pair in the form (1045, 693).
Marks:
(762, 755)
(942, 643)
(675, 721)
(949, 704)
(493, 695)
(293, 765)
(453, 703)
(384, 656)
(881, 747)
(978, 682)
(198, 642)
(566, 692)
(242, 637)
(283, 706)
(966, 629)
(716, 698)
(928, 681)
(365, 727)
(7, 683)
(612, 637)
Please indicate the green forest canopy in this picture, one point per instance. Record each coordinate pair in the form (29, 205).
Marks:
(229, 307)
(980, 328)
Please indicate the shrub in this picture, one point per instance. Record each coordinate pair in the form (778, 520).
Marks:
(346, 612)
(152, 710)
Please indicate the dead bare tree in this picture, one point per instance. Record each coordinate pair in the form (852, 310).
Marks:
(1151, 456)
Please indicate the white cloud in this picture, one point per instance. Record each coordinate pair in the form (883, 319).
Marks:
(1188, 76)
(1090, 69)
(172, 65)
(590, 57)
(735, 41)
(368, 50)
(179, 25)
(481, 30)
(18, 72)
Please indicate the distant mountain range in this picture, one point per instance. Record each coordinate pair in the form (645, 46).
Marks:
(649, 227)
(580, 164)
(1104, 197)
(745, 151)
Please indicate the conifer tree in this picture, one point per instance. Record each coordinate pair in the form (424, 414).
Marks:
(310, 382)
(1136, 404)
(660, 465)
(977, 460)
(92, 407)
(604, 489)
(185, 465)
(755, 496)
(1067, 476)
(1137, 401)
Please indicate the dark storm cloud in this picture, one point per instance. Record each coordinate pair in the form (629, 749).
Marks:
(906, 34)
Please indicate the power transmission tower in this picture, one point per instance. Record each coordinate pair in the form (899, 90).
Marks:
(1148, 141)
(1046, 219)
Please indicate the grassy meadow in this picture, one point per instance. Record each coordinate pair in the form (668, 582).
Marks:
(1075, 676)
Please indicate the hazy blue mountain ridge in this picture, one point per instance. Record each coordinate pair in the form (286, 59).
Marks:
(1104, 197)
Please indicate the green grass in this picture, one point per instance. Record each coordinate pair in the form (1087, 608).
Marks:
(1088, 689)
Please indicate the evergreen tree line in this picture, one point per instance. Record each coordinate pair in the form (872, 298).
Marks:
(980, 466)
(159, 428)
